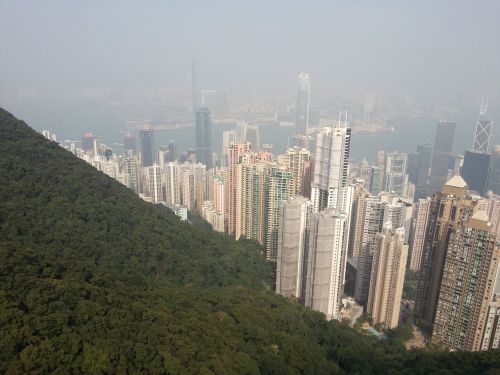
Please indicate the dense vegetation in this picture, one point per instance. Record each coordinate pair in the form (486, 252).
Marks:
(94, 280)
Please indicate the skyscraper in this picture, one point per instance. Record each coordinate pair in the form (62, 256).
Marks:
(326, 263)
(129, 142)
(302, 104)
(476, 170)
(331, 170)
(420, 169)
(155, 183)
(236, 150)
(484, 126)
(494, 180)
(419, 224)
(204, 137)
(467, 285)
(147, 148)
(293, 235)
(387, 277)
(449, 209)
(294, 160)
(396, 178)
(252, 135)
(88, 142)
(443, 145)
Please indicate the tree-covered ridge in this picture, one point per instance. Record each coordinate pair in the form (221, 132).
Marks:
(94, 280)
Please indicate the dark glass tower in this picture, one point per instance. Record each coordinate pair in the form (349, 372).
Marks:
(302, 104)
(443, 145)
(203, 137)
(129, 142)
(146, 135)
(494, 181)
(476, 170)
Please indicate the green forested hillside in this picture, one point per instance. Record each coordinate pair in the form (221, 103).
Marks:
(94, 280)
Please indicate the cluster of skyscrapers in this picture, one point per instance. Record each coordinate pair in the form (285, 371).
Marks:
(326, 222)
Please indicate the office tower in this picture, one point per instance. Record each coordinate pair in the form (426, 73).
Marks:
(448, 209)
(396, 178)
(302, 104)
(494, 180)
(171, 151)
(331, 170)
(476, 170)
(204, 137)
(378, 210)
(419, 227)
(294, 161)
(155, 183)
(172, 183)
(279, 185)
(357, 219)
(252, 136)
(443, 145)
(326, 262)
(467, 285)
(129, 142)
(307, 177)
(147, 147)
(375, 183)
(491, 335)
(365, 173)
(293, 234)
(88, 142)
(129, 166)
(194, 89)
(387, 277)
(420, 173)
(484, 126)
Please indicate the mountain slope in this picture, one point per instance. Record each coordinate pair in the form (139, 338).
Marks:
(94, 280)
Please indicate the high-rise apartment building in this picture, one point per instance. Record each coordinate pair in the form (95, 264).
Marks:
(466, 290)
(491, 205)
(419, 227)
(293, 241)
(279, 188)
(147, 149)
(443, 145)
(491, 335)
(448, 210)
(330, 187)
(476, 170)
(129, 166)
(172, 183)
(203, 137)
(294, 160)
(357, 220)
(326, 263)
(236, 150)
(302, 104)
(387, 277)
(155, 183)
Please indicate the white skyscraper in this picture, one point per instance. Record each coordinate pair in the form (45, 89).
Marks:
(326, 263)
(155, 185)
(302, 105)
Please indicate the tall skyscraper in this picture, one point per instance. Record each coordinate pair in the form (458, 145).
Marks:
(449, 209)
(419, 173)
(171, 151)
(252, 135)
(387, 277)
(494, 180)
(443, 145)
(204, 137)
(396, 178)
(129, 142)
(331, 170)
(294, 160)
(88, 142)
(155, 183)
(236, 150)
(484, 126)
(419, 227)
(467, 284)
(293, 240)
(194, 89)
(476, 170)
(172, 183)
(147, 148)
(326, 263)
(302, 104)
(357, 220)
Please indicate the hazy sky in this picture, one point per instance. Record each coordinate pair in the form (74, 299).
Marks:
(425, 49)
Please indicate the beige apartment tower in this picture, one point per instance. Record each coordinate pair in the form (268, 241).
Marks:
(387, 278)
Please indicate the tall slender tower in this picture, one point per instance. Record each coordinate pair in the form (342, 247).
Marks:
(484, 126)
(293, 236)
(204, 137)
(326, 263)
(387, 277)
(396, 178)
(302, 104)
(194, 89)
(443, 145)
(146, 134)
